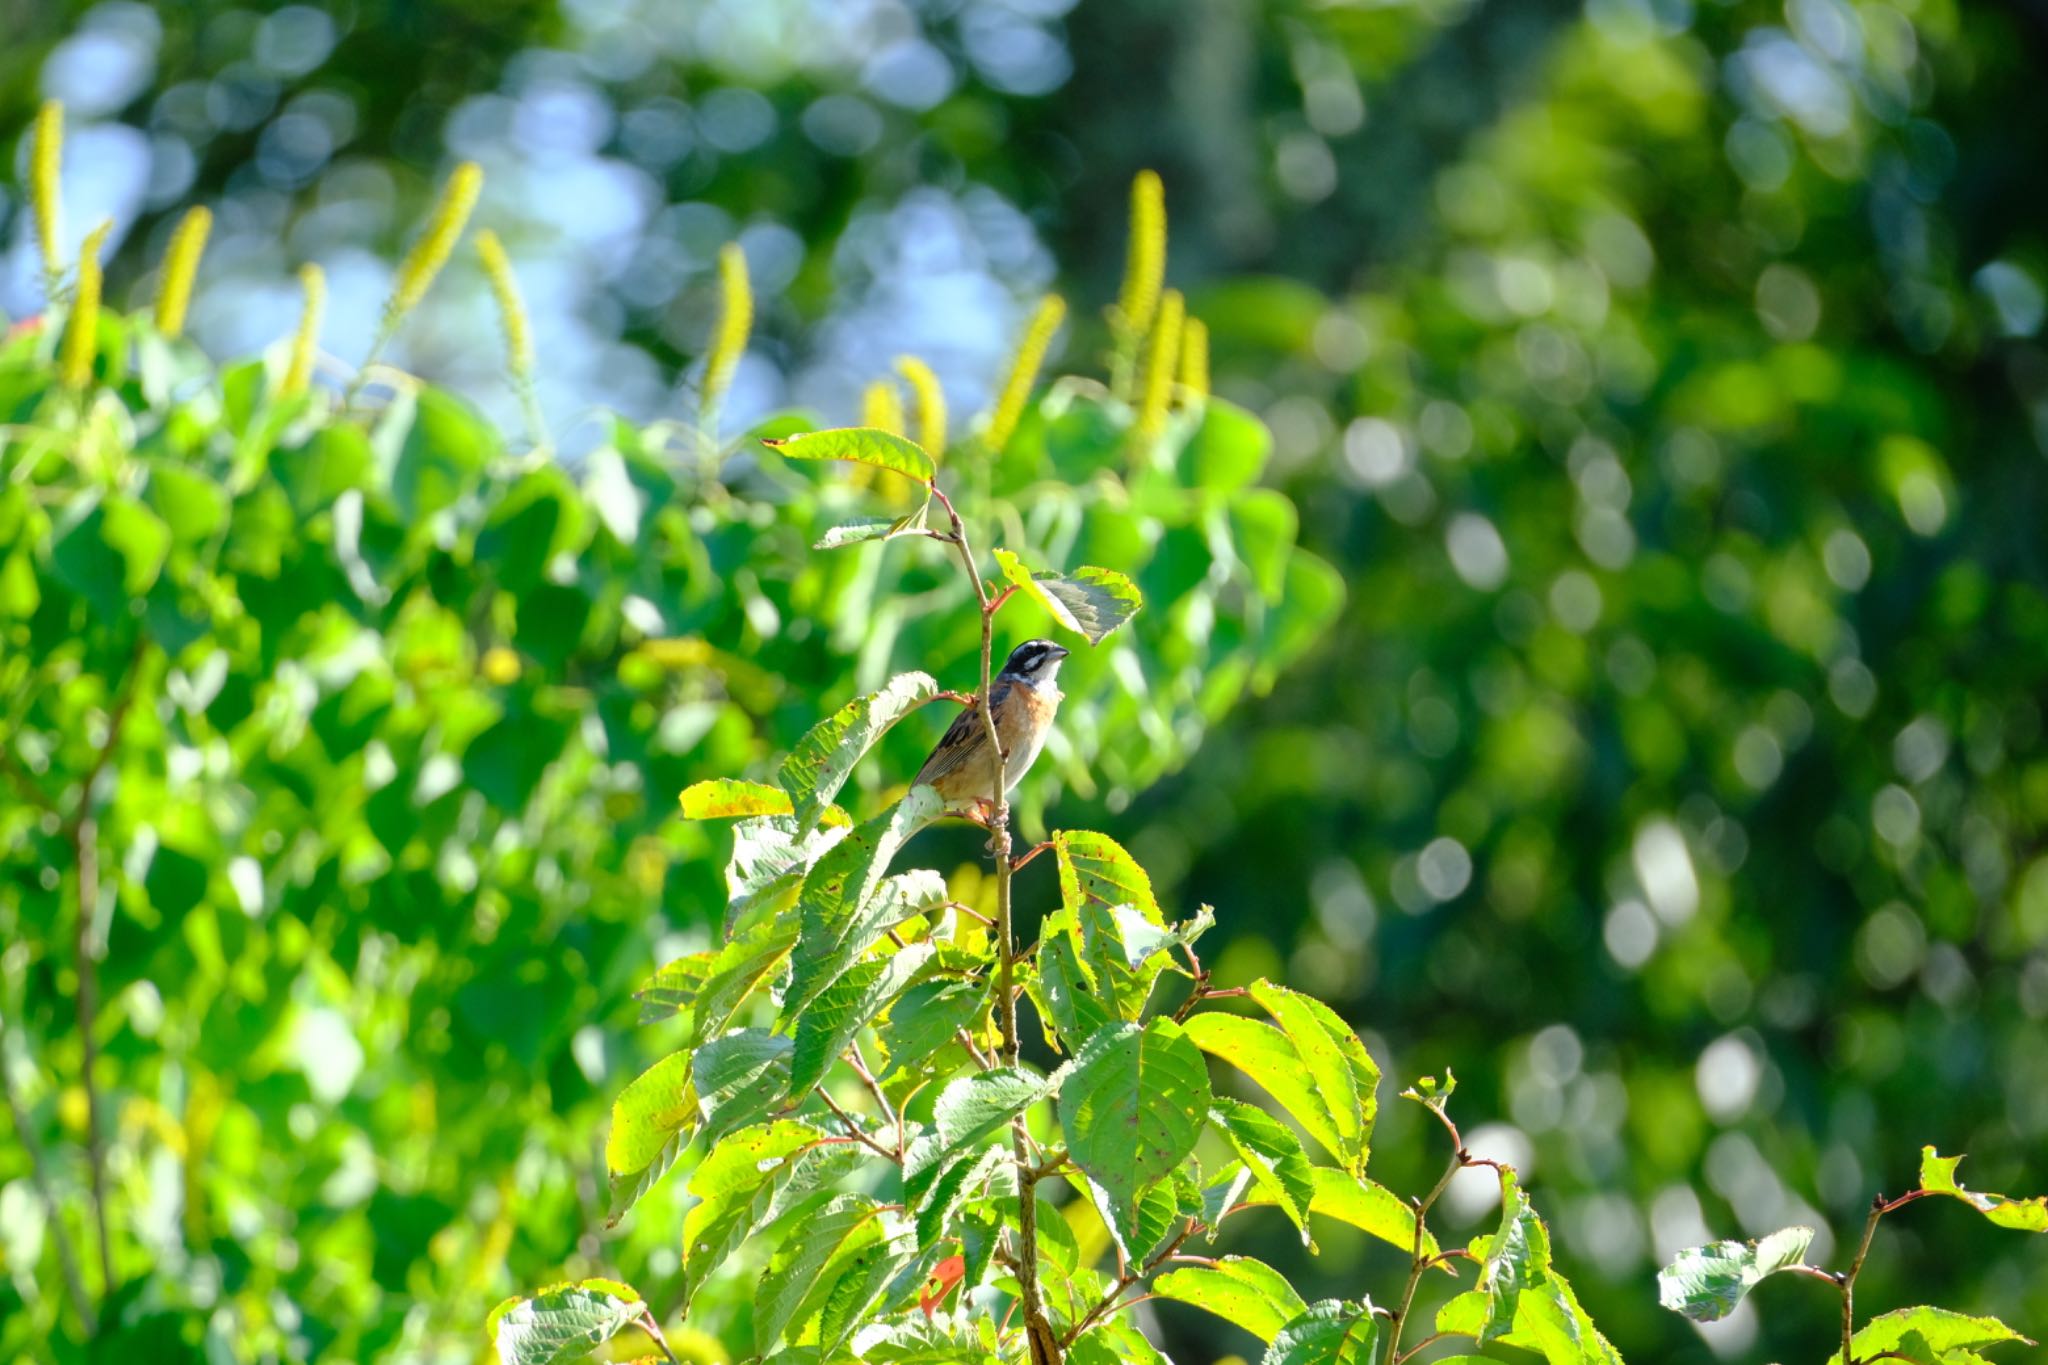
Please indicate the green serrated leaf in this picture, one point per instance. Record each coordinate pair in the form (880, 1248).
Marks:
(563, 1323)
(1132, 1108)
(1238, 1289)
(842, 1009)
(842, 913)
(1095, 869)
(824, 758)
(860, 445)
(650, 1118)
(1332, 1332)
(735, 1184)
(1266, 1054)
(792, 1278)
(1273, 1157)
(739, 1078)
(1942, 1333)
(1343, 1072)
(1705, 1283)
(969, 1112)
(1938, 1176)
(1091, 602)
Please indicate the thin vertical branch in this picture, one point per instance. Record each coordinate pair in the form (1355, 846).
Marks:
(1045, 1346)
(74, 1284)
(83, 834)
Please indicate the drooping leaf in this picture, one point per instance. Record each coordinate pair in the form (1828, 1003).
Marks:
(824, 758)
(651, 1119)
(1938, 1174)
(1268, 1056)
(927, 1019)
(1517, 1255)
(969, 1112)
(1343, 1072)
(842, 913)
(1370, 1207)
(1238, 1289)
(1131, 1109)
(1273, 1155)
(1091, 602)
(1705, 1283)
(861, 445)
(792, 1278)
(842, 1009)
(561, 1324)
(724, 797)
(735, 1184)
(1332, 1332)
(739, 1078)
(858, 1277)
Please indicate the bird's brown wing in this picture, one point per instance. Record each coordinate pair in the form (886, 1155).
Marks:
(965, 738)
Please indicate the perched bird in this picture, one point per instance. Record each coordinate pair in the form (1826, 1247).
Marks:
(1023, 698)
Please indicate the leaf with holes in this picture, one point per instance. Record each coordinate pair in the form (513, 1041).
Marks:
(1938, 1175)
(1943, 1337)
(1095, 869)
(1132, 1108)
(738, 1182)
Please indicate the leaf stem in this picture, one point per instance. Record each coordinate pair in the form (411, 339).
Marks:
(654, 1331)
(1045, 1346)
(1418, 1263)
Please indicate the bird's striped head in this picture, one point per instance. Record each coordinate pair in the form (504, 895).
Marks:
(1034, 662)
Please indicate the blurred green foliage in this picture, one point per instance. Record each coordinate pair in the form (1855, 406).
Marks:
(1665, 379)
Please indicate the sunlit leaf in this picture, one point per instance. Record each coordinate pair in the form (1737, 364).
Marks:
(1238, 1289)
(562, 1324)
(1705, 1283)
(1938, 1175)
(1090, 602)
(823, 759)
(722, 797)
(1332, 1332)
(1131, 1109)
(861, 445)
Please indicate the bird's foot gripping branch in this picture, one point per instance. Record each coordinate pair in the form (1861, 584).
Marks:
(862, 1132)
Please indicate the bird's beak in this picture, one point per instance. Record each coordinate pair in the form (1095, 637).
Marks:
(1060, 652)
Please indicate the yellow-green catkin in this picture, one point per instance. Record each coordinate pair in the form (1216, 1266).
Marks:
(1194, 362)
(729, 340)
(1162, 354)
(881, 407)
(1010, 400)
(1145, 261)
(931, 403)
(181, 264)
(298, 370)
(45, 164)
(81, 338)
(451, 214)
(511, 308)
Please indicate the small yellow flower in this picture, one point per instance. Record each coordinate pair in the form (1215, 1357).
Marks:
(500, 666)
(881, 407)
(45, 164)
(181, 264)
(931, 403)
(1160, 361)
(511, 308)
(1194, 362)
(430, 252)
(729, 340)
(298, 371)
(1016, 390)
(81, 338)
(1145, 263)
